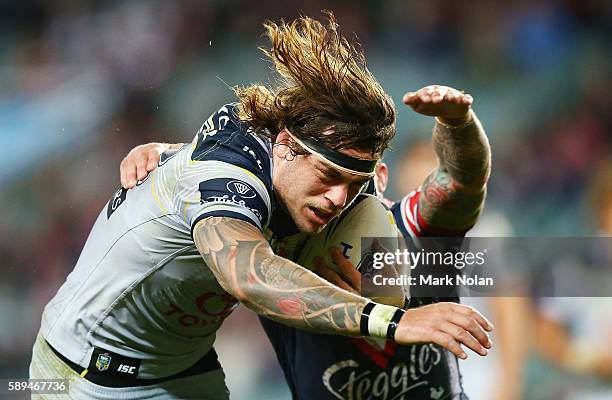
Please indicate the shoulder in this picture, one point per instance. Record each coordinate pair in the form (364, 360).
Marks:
(406, 213)
(408, 217)
(223, 137)
(227, 153)
(229, 169)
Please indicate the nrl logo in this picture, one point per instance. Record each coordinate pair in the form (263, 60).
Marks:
(241, 188)
(103, 362)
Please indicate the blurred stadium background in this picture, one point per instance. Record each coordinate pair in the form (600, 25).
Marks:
(82, 82)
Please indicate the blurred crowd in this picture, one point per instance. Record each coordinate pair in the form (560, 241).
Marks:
(82, 82)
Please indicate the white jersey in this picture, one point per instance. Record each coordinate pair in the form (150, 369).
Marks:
(140, 288)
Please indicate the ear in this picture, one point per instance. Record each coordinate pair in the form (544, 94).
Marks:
(382, 176)
(281, 142)
(282, 137)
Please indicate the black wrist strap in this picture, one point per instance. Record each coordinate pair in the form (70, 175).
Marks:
(394, 323)
(365, 316)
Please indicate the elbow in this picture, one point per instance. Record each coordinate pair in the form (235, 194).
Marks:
(471, 184)
(237, 291)
(242, 295)
(479, 182)
(474, 176)
(242, 290)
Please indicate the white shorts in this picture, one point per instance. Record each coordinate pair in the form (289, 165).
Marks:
(46, 365)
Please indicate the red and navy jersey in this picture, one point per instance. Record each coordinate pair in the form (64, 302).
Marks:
(323, 367)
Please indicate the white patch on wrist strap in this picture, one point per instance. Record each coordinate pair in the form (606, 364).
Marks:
(379, 320)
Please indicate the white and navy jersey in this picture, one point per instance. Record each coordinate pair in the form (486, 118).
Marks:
(140, 288)
(329, 367)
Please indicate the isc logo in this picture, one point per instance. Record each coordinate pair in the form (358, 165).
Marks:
(126, 369)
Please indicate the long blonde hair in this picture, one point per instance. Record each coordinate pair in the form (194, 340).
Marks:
(323, 84)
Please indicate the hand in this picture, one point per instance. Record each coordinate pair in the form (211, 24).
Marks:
(446, 103)
(449, 325)
(140, 161)
(347, 277)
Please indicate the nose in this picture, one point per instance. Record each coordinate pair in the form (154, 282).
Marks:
(338, 195)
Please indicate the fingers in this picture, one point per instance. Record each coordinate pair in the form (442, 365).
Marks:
(387, 270)
(127, 170)
(378, 247)
(445, 340)
(141, 166)
(473, 313)
(175, 146)
(464, 337)
(476, 330)
(123, 173)
(439, 94)
(410, 99)
(154, 158)
(423, 95)
(470, 321)
(447, 324)
(423, 325)
(330, 275)
(347, 270)
(466, 325)
(139, 162)
(435, 94)
(131, 176)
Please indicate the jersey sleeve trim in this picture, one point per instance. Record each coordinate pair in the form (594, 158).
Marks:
(223, 186)
(220, 169)
(223, 213)
(412, 222)
(410, 219)
(234, 209)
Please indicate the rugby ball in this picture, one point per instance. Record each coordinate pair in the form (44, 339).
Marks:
(366, 218)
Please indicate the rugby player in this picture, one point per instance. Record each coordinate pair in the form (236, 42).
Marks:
(166, 262)
(448, 203)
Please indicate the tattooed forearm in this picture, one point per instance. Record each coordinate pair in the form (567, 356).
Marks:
(452, 195)
(464, 152)
(245, 266)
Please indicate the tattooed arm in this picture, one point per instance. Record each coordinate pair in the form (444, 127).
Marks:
(245, 266)
(452, 196)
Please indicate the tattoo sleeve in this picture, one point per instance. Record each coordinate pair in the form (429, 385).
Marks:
(452, 196)
(245, 266)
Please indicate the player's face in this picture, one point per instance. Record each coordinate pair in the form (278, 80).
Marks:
(312, 191)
